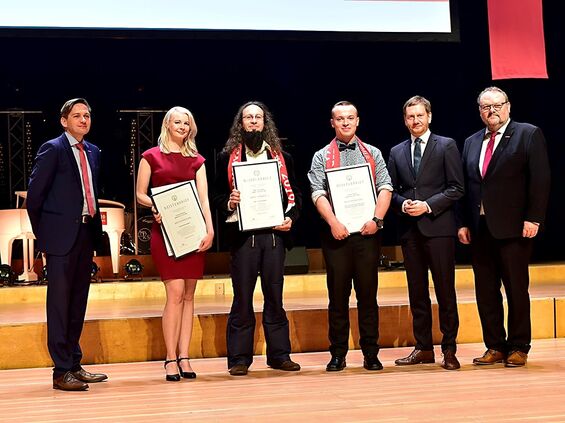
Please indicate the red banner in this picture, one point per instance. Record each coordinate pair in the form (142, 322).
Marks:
(517, 45)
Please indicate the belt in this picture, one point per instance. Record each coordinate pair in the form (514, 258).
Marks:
(85, 218)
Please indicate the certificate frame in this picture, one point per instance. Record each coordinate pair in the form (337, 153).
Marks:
(260, 189)
(353, 195)
(182, 218)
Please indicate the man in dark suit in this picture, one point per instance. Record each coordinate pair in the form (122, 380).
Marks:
(63, 210)
(427, 178)
(507, 188)
(254, 138)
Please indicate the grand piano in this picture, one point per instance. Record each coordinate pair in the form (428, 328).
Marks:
(15, 224)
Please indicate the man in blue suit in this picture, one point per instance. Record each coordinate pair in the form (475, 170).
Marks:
(63, 209)
(427, 177)
(506, 192)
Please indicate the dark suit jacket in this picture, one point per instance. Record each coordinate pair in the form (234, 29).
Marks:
(439, 182)
(516, 185)
(221, 192)
(54, 197)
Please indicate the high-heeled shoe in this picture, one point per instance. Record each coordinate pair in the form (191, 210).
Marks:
(171, 378)
(186, 375)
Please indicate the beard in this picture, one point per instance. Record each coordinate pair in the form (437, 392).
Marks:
(253, 140)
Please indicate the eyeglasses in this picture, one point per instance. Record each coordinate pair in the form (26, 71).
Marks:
(253, 117)
(487, 107)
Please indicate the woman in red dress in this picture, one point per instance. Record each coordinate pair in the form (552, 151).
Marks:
(176, 159)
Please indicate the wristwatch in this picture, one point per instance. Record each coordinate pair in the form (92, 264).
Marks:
(380, 222)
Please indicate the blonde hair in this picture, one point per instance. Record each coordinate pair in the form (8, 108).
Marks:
(188, 148)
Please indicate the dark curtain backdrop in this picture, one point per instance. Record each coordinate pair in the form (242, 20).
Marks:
(299, 81)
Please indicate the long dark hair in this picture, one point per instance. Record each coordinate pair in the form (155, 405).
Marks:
(270, 133)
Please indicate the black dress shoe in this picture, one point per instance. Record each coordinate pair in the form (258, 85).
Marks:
(88, 377)
(286, 365)
(336, 364)
(173, 377)
(68, 382)
(185, 375)
(371, 362)
(449, 361)
(239, 369)
(416, 357)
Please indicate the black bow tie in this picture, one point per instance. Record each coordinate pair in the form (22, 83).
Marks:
(343, 147)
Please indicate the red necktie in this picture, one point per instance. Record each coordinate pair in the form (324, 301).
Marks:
(85, 179)
(488, 153)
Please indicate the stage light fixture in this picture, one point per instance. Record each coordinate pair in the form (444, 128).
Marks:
(7, 275)
(43, 279)
(133, 270)
(94, 269)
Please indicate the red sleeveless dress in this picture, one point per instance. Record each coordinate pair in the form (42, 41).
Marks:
(169, 169)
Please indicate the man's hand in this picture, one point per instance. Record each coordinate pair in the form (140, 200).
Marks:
(233, 200)
(530, 229)
(415, 207)
(339, 231)
(369, 228)
(464, 235)
(285, 226)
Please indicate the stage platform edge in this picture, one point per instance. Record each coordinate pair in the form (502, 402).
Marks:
(139, 338)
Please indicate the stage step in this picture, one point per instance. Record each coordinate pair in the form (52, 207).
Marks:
(545, 274)
(124, 325)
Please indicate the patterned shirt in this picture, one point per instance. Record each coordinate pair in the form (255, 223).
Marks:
(317, 172)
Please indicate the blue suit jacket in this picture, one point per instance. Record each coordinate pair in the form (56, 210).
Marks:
(55, 198)
(439, 182)
(516, 185)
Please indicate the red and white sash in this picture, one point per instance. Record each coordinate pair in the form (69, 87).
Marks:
(235, 157)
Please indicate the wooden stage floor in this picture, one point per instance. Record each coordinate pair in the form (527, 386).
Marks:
(137, 392)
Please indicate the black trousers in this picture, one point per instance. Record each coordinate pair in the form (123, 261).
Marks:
(261, 254)
(496, 262)
(67, 295)
(352, 262)
(438, 255)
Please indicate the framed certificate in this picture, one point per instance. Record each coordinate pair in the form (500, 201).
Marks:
(260, 194)
(353, 196)
(182, 219)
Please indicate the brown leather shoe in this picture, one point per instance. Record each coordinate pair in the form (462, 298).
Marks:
(516, 359)
(449, 361)
(68, 382)
(88, 377)
(416, 357)
(287, 365)
(490, 357)
(238, 370)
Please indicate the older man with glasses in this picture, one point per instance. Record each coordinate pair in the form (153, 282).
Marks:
(506, 193)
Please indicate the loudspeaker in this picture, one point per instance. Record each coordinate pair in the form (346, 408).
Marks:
(296, 261)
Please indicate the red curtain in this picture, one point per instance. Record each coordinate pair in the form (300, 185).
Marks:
(517, 45)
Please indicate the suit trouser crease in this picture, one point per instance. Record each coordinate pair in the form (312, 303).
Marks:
(496, 263)
(438, 255)
(261, 254)
(67, 295)
(352, 263)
